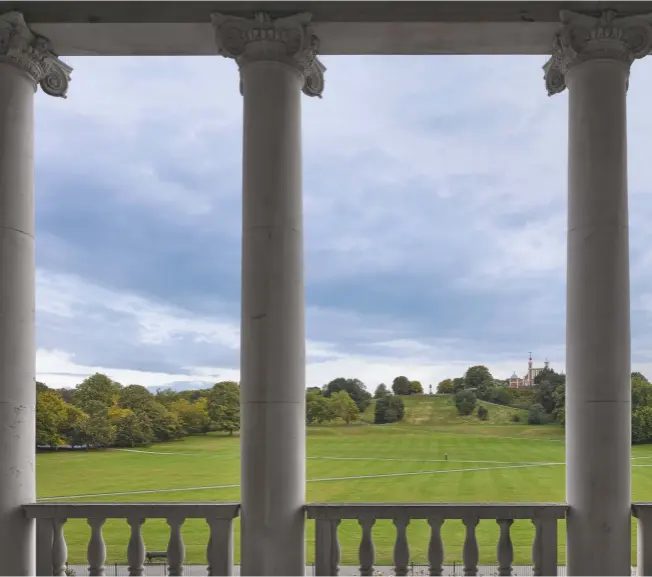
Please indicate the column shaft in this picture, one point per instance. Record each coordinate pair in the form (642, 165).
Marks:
(598, 399)
(17, 357)
(273, 324)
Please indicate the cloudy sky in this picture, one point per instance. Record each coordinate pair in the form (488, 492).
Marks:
(435, 199)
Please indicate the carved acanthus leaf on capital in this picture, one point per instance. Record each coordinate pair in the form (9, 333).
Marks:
(290, 40)
(21, 47)
(585, 37)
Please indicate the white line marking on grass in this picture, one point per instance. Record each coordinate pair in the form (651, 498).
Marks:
(155, 452)
(428, 460)
(494, 437)
(437, 472)
(141, 492)
(634, 458)
(206, 454)
(417, 460)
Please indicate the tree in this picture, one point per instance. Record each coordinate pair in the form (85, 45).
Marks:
(167, 396)
(344, 407)
(68, 395)
(74, 427)
(193, 417)
(381, 391)
(50, 415)
(131, 430)
(319, 409)
(559, 399)
(642, 425)
(401, 386)
(483, 413)
(639, 376)
(389, 409)
(416, 388)
(135, 397)
(41, 387)
(165, 424)
(547, 384)
(477, 376)
(99, 432)
(536, 415)
(499, 395)
(445, 387)
(354, 387)
(641, 409)
(465, 401)
(458, 384)
(97, 387)
(224, 406)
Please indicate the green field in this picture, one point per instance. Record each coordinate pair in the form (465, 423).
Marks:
(496, 461)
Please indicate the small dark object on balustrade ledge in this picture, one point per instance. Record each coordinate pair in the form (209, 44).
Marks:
(155, 555)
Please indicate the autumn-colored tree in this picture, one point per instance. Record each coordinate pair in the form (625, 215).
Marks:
(50, 415)
(224, 407)
(193, 417)
(97, 387)
(344, 407)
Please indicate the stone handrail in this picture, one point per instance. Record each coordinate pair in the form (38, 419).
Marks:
(544, 516)
(643, 514)
(52, 553)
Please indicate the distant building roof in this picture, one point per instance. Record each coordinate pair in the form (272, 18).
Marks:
(514, 376)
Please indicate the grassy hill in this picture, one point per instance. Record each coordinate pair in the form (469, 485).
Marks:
(439, 410)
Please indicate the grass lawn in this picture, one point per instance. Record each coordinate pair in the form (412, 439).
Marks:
(419, 446)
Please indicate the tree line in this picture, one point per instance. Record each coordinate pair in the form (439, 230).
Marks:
(348, 399)
(100, 412)
(544, 403)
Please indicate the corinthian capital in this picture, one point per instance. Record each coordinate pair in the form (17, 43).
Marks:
(20, 47)
(290, 40)
(584, 38)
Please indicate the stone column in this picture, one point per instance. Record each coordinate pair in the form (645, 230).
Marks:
(277, 60)
(25, 62)
(592, 57)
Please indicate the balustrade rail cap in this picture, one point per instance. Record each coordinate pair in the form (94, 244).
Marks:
(641, 507)
(130, 510)
(442, 510)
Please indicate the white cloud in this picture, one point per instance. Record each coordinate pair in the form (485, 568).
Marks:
(58, 369)
(443, 170)
(68, 296)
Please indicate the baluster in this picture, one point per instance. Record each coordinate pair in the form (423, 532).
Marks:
(176, 548)
(544, 547)
(505, 549)
(470, 553)
(401, 548)
(336, 552)
(219, 551)
(59, 548)
(435, 547)
(327, 547)
(644, 537)
(44, 540)
(136, 548)
(96, 552)
(367, 551)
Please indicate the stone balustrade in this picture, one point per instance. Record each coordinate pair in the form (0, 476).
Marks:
(544, 516)
(51, 549)
(643, 514)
